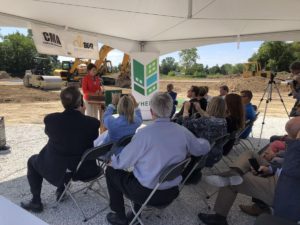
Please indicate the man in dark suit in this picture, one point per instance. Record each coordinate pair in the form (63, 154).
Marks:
(70, 134)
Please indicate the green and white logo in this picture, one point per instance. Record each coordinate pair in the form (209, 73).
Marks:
(145, 80)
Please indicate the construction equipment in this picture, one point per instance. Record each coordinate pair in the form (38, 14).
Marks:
(45, 82)
(124, 79)
(105, 71)
(37, 77)
(251, 69)
(72, 71)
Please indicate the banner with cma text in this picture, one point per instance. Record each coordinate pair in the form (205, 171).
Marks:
(48, 40)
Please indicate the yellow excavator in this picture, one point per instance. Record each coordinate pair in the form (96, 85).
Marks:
(251, 69)
(104, 67)
(74, 71)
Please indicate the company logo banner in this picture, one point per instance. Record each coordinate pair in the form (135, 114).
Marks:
(48, 40)
(81, 46)
(145, 77)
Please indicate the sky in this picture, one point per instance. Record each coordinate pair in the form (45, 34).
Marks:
(209, 55)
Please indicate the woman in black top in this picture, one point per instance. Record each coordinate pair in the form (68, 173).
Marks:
(235, 118)
(201, 99)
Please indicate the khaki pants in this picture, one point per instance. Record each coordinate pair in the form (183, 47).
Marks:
(262, 188)
(91, 110)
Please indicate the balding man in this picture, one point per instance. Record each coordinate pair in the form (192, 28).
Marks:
(151, 150)
(242, 179)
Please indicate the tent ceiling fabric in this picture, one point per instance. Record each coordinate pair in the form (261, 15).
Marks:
(163, 25)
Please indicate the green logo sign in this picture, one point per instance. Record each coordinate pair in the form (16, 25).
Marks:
(145, 83)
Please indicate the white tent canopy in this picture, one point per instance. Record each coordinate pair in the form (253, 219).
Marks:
(161, 26)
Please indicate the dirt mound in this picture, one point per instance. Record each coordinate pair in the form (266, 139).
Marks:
(4, 75)
(255, 84)
(234, 82)
(21, 94)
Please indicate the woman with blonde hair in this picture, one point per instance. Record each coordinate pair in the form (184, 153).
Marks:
(211, 125)
(126, 123)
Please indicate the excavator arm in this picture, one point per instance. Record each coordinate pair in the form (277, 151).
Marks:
(105, 49)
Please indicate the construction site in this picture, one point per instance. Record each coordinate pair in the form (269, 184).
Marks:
(20, 104)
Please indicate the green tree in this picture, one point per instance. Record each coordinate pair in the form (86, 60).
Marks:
(195, 68)
(237, 68)
(168, 64)
(226, 69)
(214, 69)
(275, 55)
(18, 53)
(188, 57)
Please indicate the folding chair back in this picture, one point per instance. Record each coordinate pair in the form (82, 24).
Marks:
(124, 140)
(248, 124)
(173, 171)
(216, 152)
(169, 173)
(90, 154)
(94, 154)
(198, 163)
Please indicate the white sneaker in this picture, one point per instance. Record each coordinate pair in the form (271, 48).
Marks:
(220, 181)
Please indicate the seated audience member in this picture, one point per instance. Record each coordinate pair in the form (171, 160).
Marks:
(295, 86)
(193, 94)
(201, 99)
(285, 137)
(249, 111)
(151, 150)
(287, 194)
(224, 90)
(235, 118)
(206, 96)
(173, 94)
(211, 125)
(70, 134)
(126, 123)
(242, 179)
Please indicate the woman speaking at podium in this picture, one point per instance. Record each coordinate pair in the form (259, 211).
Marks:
(91, 86)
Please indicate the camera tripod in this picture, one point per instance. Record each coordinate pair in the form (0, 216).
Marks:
(269, 92)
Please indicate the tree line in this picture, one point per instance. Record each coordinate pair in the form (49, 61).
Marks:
(274, 55)
(18, 53)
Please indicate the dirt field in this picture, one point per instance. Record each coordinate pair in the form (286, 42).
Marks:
(19, 104)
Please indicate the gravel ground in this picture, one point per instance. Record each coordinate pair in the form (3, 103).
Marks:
(28, 139)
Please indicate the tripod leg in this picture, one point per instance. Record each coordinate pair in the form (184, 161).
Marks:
(262, 98)
(269, 88)
(281, 100)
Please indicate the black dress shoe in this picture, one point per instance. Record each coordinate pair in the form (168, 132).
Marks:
(32, 206)
(114, 219)
(212, 219)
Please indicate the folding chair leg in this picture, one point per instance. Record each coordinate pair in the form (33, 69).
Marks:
(136, 215)
(244, 146)
(64, 192)
(204, 199)
(224, 161)
(89, 187)
(252, 146)
(85, 218)
(105, 194)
